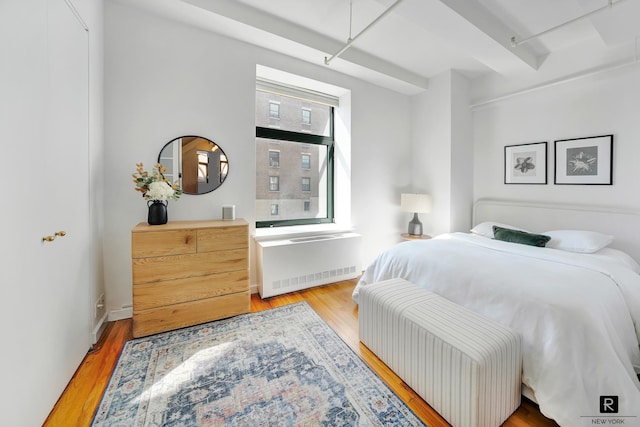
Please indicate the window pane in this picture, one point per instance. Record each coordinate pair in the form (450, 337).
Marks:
(288, 114)
(291, 197)
(274, 110)
(274, 159)
(274, 183)
(306, 161)
(306, 116)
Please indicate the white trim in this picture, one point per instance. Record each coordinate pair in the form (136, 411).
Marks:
(99, 328)
(77, 15)
(271, 86)
(123, 313)
(567, 79)
(293, 231)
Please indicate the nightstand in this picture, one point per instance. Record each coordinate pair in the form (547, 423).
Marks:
(407, 236)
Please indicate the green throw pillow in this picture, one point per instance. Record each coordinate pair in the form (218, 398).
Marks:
(517, 236)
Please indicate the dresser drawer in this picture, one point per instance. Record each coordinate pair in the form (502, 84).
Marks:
(152, 244)
(156, 294)
(215, 239)
(181, 266)
(175, 316)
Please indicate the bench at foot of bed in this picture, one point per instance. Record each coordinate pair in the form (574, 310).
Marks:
(468, 368)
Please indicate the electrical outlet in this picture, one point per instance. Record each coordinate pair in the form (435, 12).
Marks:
(99, 307)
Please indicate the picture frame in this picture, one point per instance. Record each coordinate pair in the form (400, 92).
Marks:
(525, 163)
(584, 161)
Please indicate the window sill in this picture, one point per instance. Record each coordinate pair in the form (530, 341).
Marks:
(275, 233)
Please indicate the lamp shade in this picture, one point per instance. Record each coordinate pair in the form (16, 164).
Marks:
(417, 203)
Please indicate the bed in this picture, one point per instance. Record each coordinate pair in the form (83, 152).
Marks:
(578, 313)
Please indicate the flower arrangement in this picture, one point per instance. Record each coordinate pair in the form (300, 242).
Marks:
(155, 186)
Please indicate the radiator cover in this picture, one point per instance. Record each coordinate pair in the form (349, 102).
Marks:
(289, 265)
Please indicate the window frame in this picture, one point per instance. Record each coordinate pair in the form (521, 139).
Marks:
(306, 184)
(302, 163)
(277, 104)
(277, 182)
(306, 138)
(275, 152)
(308, 110)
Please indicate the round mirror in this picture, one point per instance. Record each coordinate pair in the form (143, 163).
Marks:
(197, 163)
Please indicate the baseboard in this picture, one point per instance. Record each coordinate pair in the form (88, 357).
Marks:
(97, 331)
(123, 313)
(254, 288)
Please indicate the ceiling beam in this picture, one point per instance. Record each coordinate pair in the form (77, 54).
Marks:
(470, 27)
(495, 30)
(271, 24)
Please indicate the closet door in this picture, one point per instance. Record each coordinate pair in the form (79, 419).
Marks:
(45, 319)
(66, 169)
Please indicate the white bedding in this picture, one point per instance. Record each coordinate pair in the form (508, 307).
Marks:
(579, 315)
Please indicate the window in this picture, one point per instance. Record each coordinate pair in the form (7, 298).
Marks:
(274, 159)
(306, 184)
(274, 209)
(274, 183)
(306, 161)
(224, 167)
(203, 166)
(274, 110)
(301, 149)
(306, 116)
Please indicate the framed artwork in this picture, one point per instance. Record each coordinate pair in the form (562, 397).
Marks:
(584, 160)
(525, 163)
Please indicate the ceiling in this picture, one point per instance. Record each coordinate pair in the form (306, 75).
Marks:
(419, 39)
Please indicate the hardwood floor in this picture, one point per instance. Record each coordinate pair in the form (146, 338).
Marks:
(332, 302)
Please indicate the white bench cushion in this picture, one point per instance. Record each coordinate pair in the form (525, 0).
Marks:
(468, 368)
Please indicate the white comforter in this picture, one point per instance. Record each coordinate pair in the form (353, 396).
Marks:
(578, 315)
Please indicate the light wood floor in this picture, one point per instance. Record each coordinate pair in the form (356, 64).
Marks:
(332, 302)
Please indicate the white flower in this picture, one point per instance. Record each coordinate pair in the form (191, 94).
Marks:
(159, 190)
(155, 186)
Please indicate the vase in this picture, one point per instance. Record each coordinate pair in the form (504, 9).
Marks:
(157, 212)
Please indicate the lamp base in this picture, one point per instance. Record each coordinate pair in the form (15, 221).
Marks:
(415, 226)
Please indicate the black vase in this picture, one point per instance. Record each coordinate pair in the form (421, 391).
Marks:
(157, 212)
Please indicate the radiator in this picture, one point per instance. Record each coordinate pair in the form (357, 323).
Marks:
(289, 265)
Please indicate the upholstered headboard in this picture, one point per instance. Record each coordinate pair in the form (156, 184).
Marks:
(624, 225)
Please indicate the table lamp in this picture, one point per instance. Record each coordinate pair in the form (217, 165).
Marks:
(416, 203)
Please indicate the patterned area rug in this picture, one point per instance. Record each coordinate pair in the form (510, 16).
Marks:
(280, 367)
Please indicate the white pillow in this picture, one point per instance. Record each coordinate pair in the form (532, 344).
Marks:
(486, 228)
(580, 241)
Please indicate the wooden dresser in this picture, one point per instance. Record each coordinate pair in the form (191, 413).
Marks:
(188, 272)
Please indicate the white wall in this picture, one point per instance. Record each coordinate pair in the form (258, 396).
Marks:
(164, 79)
(461, 154)
(431, 160)
(607, 103)
(442, 152)
(92, 13)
